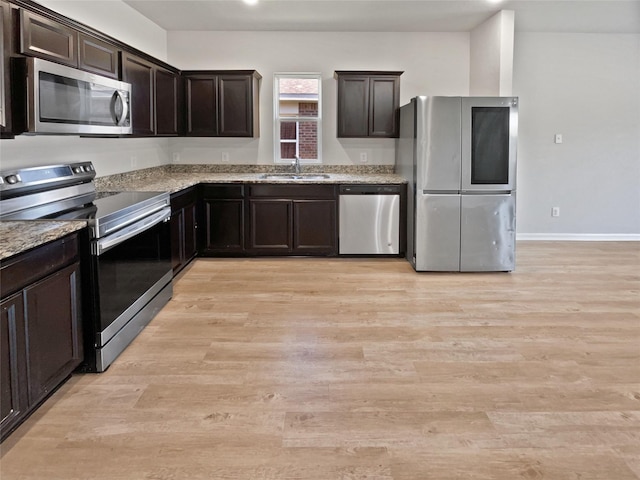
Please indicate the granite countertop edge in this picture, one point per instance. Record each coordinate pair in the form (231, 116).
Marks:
(19, 236)
(175, 182)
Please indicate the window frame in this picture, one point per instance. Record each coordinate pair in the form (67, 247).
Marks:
(278, 119)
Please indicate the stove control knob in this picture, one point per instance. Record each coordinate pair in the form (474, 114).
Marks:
(12, 179)
(88, 168)
(77, 169)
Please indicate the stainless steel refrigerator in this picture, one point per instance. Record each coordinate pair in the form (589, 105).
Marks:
(459, 156)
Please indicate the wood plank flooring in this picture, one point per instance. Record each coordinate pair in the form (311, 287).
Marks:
(352, 369)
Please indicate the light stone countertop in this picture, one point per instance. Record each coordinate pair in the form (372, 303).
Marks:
(19, 236)
(173, 182)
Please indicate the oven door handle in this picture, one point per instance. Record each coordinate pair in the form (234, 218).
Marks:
(145, 214)
(104, 244)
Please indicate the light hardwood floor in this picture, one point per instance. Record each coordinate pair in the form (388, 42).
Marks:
(329, 369)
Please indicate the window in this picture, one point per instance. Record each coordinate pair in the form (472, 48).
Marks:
(297, 124)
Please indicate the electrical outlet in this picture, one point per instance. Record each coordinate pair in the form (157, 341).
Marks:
(225, 156)
(176, 158)
(555, 211)
(134, 161)
(363, 157)
(557, 138)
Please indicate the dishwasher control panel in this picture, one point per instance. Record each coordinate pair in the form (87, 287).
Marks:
(370, 189)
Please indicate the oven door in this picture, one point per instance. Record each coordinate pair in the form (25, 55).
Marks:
(129, 272)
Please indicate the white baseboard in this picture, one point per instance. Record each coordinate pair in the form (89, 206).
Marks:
(580, 237)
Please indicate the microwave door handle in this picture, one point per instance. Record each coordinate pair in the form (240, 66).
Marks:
(125, 108)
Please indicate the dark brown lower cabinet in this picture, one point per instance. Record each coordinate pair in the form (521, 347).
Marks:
(13, 363)
(314, 229)
(40, 327)
(222, 231)
(270, 225)
(53, 325)
(183, 228)
(292, 220)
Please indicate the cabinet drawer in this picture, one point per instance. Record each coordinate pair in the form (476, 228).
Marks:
(292, 191)
(28, 267)
(222, 191)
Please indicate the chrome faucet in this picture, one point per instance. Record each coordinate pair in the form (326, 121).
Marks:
(296, 165)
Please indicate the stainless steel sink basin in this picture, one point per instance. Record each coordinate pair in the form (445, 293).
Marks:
(294, 176)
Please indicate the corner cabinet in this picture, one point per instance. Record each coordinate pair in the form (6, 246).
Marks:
(154, 97)
(222, 219)
(292, 220)
(40, 326)
(368, 104)
(222, 103)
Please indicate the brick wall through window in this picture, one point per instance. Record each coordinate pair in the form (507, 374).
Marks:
(308, 141)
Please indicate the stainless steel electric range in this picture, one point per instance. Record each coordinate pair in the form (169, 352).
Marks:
(127, 278)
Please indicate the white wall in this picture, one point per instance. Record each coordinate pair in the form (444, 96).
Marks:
(587, 88)
(116, 19)
(109, 156)
(434, 63)
(491, 70)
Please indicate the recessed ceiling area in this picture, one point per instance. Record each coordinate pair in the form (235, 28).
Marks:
(576, 16)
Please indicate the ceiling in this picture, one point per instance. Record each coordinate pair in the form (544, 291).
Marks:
(578, 16)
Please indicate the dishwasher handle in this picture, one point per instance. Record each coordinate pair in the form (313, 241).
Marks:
(370, 189)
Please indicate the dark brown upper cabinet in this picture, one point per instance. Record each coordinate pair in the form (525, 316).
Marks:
(368, 104)
(139, 73)
(5, 55)
(98, 57)
(222, 103)
(44, 38)
(167, 102)
(155, 97)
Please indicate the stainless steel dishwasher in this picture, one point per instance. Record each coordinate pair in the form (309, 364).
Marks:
(369, 219)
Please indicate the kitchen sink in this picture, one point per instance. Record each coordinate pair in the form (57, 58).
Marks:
(295, 176)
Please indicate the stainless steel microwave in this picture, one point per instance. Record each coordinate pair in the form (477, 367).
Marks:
(65, 100)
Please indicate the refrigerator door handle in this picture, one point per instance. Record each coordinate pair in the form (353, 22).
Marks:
(440, 192)
(487, 192)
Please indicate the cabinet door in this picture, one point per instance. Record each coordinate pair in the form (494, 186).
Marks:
(5, 40)
(183, 237)
(384, 100)
(224, 225)
(53, 321)
(353, 106)
(177, 239)
(166, 102)
(99, 57)
(13, 364)
(314, 226)
(183, 228)
(270, 225)
(44, 38)
(190, 229)
(236, 106)
(139, 74)
(202, 106)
